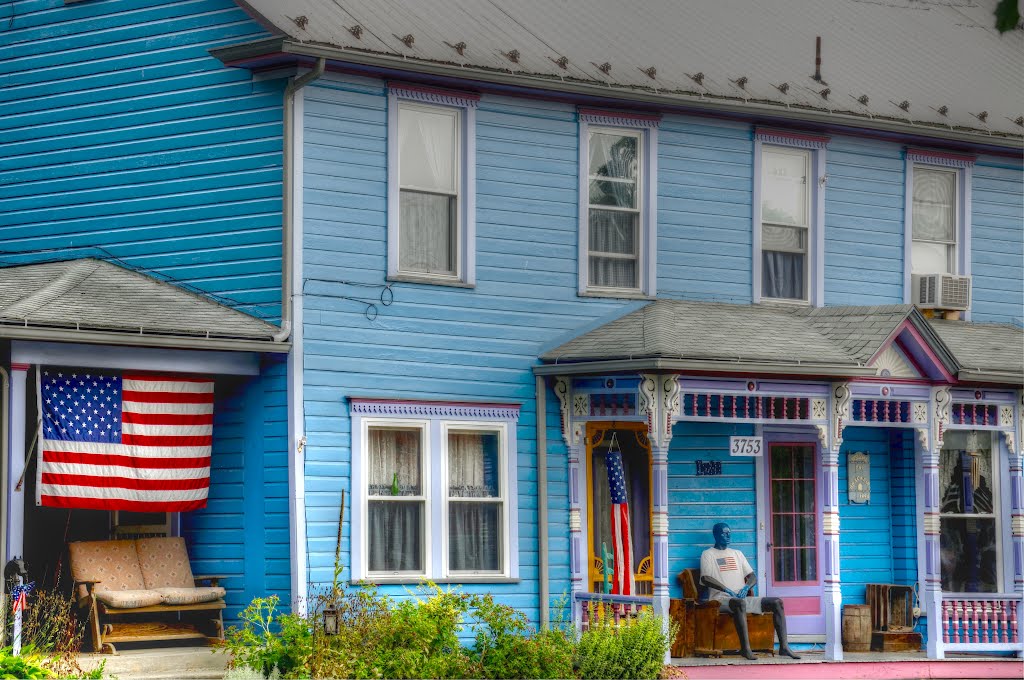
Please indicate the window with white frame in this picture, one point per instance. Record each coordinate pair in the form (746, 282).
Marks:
(435, 491)
(934, 220)
(787, 238)
(431, 181)
(617, 205)
(969, 532)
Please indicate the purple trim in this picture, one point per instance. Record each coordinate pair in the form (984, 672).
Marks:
(427, 409)
(789, 138)
(433, 95)
(945, 158)
(618, 118)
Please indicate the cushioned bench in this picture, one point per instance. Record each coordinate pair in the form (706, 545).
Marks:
(115, 579)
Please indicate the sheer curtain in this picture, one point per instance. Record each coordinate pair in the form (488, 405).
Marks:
(395, 527)
(614, 234)
(474, 527)
(934, 221)
(428, 210)
(784, 218)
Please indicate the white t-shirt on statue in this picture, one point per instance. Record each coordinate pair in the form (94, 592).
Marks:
(730, 568)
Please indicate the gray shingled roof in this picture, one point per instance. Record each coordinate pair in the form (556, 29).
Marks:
(984, 347)
(708, 331)
(859, 331)
(89, 294)
(931, 65)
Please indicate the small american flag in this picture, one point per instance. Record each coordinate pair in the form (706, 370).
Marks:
(727, 563)
(622, 542)
(124, 441)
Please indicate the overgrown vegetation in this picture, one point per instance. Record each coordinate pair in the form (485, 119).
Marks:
(51, 637)
(427, 635)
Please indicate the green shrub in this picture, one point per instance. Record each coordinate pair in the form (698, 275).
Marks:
(506, 649)
(256, 645)
(637, 650)
(28, 664)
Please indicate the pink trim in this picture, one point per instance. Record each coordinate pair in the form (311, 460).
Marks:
(802, 605)
(943, 155)
(412, 87)
(800, 136)
(647, 117)
(425, 402)
(817, 525)
(868, 670)
(20, 367)
(907, 327)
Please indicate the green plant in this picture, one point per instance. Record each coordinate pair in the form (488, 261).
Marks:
(506, 649)
(636, 650)
(50, 628)
(258, 646)
(29, 664)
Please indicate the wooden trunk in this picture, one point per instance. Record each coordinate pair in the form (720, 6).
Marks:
(856, 628)
(682, 614)
(895, 642)
(716, 634)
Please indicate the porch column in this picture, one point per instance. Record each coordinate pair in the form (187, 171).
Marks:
(832, 580)
(930, 447)
(16, 464)
(659, 526)
(579, 567)
(1015, 447)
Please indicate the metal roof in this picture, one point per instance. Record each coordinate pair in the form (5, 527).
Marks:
(985, 348)
(936, 65)
(58, 300)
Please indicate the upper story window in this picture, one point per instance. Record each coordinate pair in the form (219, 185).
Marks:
(788, 260)
(938, 209)
(435, 491)
(431, 182)
(617, 203)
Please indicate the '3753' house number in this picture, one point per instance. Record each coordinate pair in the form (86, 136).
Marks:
(858, 477)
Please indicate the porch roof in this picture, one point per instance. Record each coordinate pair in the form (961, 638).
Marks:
(89, 300)
(986, 352)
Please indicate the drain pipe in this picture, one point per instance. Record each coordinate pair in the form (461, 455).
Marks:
(542, 502)
(5, 447)
(291, 326)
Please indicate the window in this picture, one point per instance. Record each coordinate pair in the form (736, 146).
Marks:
(789, 211)
(435, 491)
(430, 186)
(969, 533)
(617, 204)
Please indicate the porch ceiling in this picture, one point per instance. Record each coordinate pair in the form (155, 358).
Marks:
(89, 300)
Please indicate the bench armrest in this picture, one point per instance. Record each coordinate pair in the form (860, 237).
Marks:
(90, 586)
(214, 579)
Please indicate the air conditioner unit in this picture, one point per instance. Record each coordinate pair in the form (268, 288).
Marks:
(942, 291)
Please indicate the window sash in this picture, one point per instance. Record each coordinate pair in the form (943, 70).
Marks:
(595, 257)
(496, 501)
(771, 287)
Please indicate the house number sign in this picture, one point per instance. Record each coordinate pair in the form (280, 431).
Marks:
(746, 446)
(858, 476)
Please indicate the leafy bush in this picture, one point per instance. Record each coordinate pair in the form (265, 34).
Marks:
(256, 645)
(505, 648)
(637, 650)
(51, 633)
(28, 665)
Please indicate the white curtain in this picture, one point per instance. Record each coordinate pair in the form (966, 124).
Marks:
(614, 168)
(934, 221)
(474, 528)
(395, 527)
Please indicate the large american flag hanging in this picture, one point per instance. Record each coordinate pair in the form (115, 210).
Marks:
(124, 441)
(622, 542)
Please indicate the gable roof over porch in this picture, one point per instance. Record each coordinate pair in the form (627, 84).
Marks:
(89, 300)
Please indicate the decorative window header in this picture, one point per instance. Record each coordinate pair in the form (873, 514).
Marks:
(950, 160)
(618, 118)
(787, 138)
(428, 409)
(433, 95)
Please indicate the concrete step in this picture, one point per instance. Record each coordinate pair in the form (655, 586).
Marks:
(160, 663)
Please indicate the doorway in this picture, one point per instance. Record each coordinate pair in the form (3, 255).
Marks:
(794, 540)
(631, 440)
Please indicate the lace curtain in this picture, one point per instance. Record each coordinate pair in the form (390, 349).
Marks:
(614, 168)
(474, 527)
(395, 527)
(934, 221)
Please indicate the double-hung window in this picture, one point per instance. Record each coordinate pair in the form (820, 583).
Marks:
(431, 182)
(617, 203)
(787, 232)
(938, 197)
(435, 491)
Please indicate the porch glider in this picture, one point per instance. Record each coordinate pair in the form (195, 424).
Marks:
(93, 301)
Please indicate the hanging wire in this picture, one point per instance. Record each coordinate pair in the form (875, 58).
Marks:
(385, 299)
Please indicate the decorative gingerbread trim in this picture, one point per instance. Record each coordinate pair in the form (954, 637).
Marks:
(922, 437)
(670, 407)
(434, 409)
(563, 390)
(618, 118)
(841, 399)
(1010, 443)
(433, 95)
(944, 158)
(822, 435)
(787, 138)
(941, 403)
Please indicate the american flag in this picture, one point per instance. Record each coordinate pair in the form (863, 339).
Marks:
(622, 542)
(124, 441)
(727, 563)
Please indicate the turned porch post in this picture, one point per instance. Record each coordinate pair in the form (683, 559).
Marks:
(841, 399)
(1015, 447)
(579, 567)
(930, 446)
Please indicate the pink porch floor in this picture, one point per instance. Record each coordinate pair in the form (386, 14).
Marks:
(866, 666)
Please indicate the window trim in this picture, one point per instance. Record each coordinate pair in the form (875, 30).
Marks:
(465, 103)
(815, 146)
(436, 419)
(963, 167)
(645, 126)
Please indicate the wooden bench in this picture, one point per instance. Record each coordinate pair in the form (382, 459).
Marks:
(125, 582)
(714, 632)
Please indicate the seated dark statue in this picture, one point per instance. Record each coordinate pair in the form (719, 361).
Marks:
(730, 579)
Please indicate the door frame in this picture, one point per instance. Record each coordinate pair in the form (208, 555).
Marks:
(587, 497)
(800, 625)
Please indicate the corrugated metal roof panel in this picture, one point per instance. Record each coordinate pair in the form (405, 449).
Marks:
(934, 54)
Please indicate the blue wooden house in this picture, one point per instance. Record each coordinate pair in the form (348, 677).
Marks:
(140, 229)
(782, 277)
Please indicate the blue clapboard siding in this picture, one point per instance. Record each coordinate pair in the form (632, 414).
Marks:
(696, 504)
(705, 181)
(904, 521)
(122, 137)
(865, 540)
(864, 209)
(997, 243)
(242, 534)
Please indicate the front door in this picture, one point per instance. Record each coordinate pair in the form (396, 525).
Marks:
(793, 542)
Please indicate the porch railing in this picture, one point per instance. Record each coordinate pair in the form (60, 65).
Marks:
(618, 610)
(981, 622)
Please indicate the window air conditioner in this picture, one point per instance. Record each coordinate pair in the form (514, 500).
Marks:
(942, 291)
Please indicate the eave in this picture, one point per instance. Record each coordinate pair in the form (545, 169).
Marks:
(279, 51)
(745, 368)
(165, 341)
